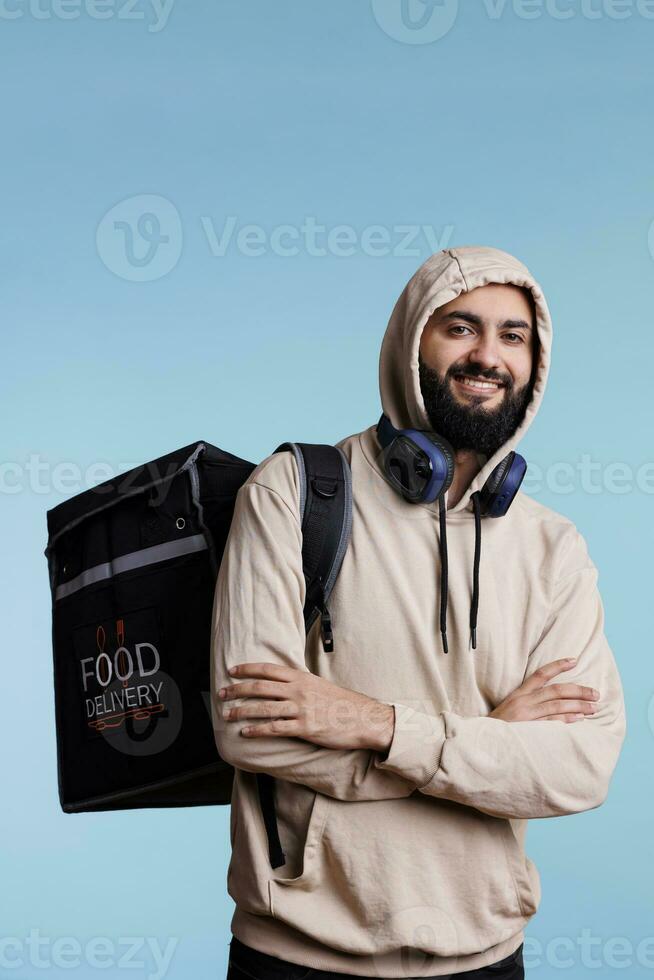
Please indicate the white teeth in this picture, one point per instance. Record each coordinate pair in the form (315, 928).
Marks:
(480, 384)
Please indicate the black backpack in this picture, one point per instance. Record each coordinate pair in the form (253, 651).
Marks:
(133, 565)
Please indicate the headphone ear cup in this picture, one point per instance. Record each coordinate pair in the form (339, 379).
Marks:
(500, 488)
(407, 453)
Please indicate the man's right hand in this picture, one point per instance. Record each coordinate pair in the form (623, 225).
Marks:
(535, 699)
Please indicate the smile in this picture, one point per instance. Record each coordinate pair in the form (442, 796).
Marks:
(477, 384)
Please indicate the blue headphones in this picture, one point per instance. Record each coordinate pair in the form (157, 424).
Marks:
(420, 465)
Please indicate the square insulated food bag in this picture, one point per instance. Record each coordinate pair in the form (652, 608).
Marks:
(133, 565)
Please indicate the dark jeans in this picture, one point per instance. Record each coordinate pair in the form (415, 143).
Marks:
(246, 963)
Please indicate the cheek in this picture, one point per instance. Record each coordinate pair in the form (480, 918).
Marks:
(438, 356)
(520, 368)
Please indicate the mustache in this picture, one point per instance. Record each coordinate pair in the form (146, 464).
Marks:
(477, 371)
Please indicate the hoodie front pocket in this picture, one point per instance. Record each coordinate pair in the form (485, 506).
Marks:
(417, 872)
(308, 877)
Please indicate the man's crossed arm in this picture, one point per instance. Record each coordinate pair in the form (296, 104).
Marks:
(548, 749)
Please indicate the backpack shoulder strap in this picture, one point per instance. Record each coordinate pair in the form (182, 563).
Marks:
(326, 518)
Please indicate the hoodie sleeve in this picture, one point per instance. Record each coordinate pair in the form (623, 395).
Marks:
(535, 768)
(258, 616)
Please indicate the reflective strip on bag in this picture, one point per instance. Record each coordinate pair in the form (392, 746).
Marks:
(136, 559)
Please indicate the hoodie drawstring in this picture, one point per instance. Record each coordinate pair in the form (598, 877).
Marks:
(474, 605)
(443, 553)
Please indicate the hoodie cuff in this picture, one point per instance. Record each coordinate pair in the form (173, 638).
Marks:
(416, 746)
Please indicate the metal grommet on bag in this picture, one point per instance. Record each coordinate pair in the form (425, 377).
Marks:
(180, 523)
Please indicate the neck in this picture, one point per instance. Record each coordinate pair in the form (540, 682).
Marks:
(467, 465)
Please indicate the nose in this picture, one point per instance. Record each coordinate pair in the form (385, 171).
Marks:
(485, 350)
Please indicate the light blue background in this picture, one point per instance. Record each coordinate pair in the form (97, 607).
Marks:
(534, 135)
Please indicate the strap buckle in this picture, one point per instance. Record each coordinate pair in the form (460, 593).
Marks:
(326, 632)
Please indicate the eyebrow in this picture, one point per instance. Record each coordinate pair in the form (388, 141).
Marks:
(477, 320)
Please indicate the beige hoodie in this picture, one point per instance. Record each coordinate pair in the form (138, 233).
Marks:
(411, 864)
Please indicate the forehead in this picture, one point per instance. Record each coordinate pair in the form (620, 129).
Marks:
(495, 302)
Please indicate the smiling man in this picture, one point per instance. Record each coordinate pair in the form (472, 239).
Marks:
(406, 768)
(477, 360)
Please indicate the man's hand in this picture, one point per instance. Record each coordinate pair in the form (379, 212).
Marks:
(299, 704)
(535, 699)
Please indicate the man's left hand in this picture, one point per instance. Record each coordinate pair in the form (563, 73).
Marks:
(299, 704)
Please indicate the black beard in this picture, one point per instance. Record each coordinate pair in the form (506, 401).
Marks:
(472, 426)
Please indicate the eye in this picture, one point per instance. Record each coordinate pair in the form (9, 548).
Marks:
(459, 327)
(514, 338)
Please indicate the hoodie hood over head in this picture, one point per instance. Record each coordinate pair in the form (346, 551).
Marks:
(442, 278)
